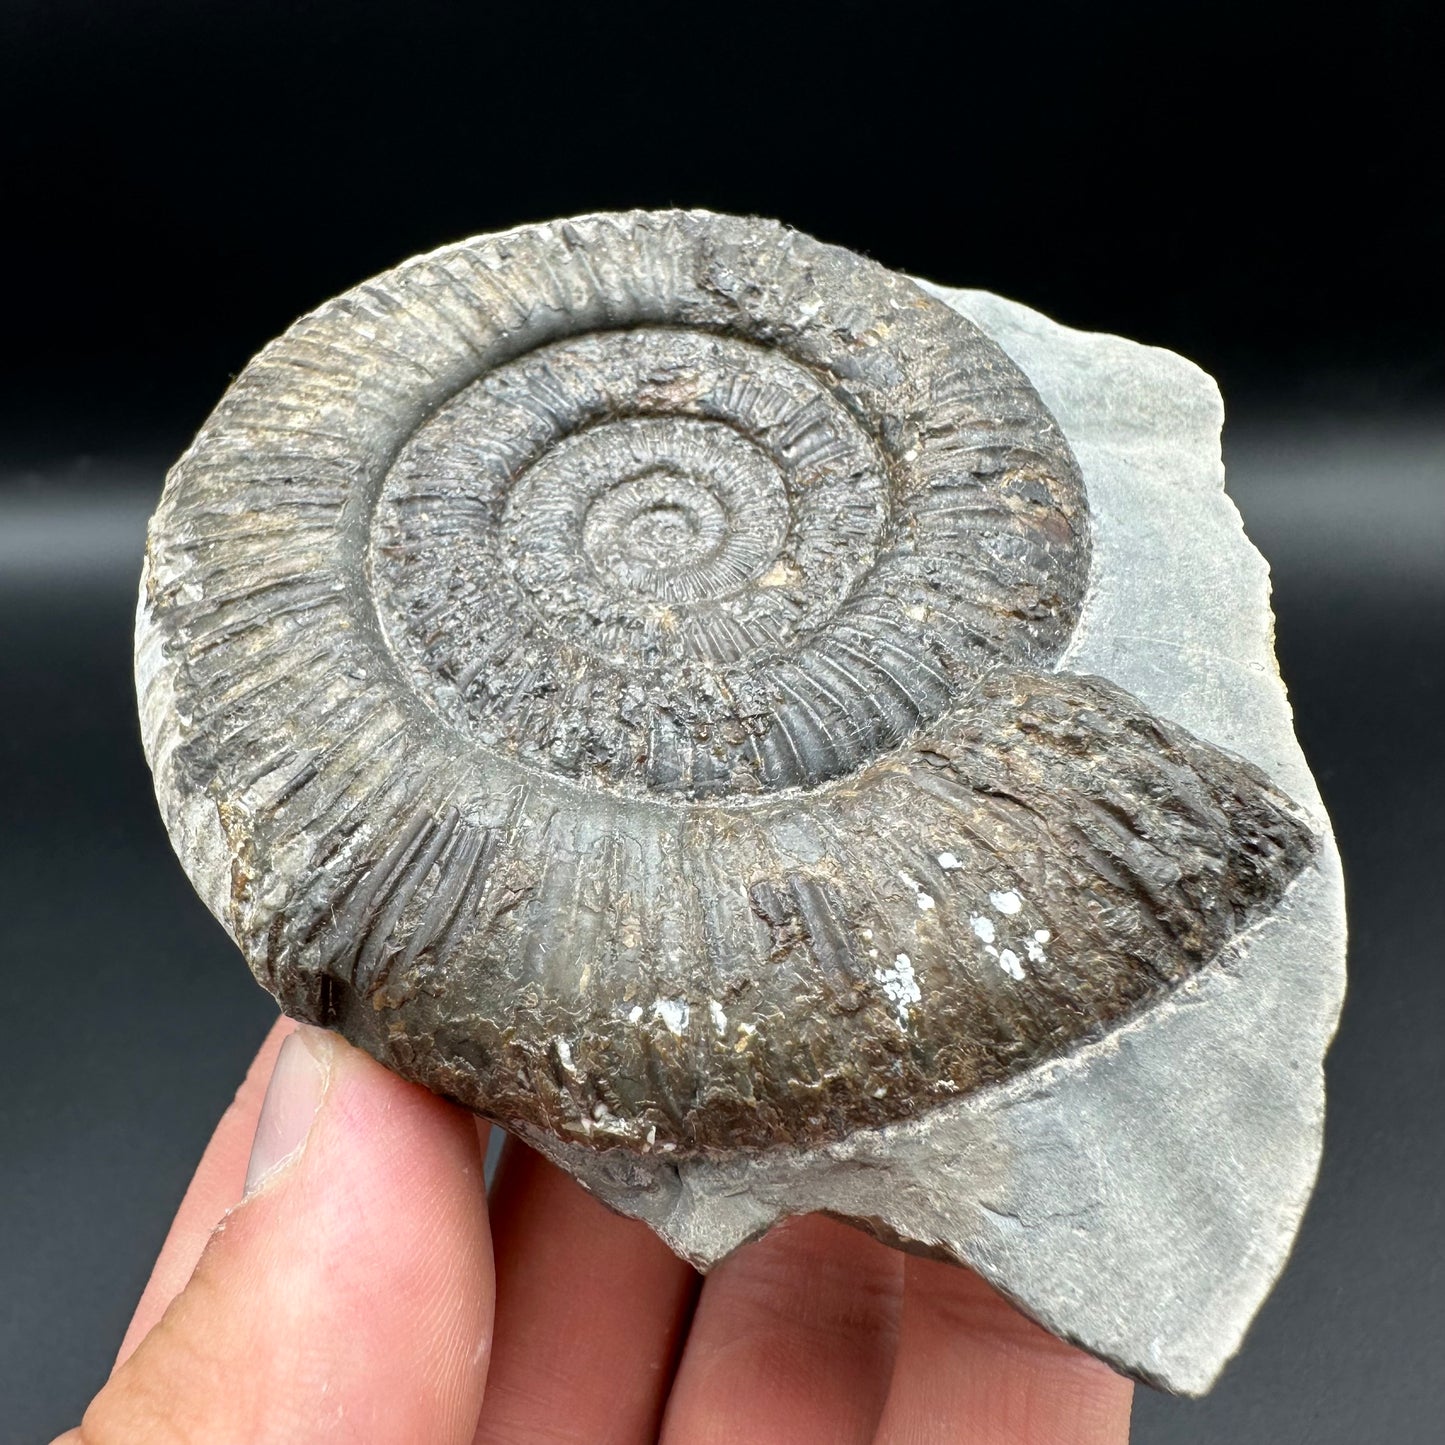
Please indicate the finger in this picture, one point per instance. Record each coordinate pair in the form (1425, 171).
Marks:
(590, 1312)
(971, 1368)
(214, 1188)
(792, 1341)
(347, 1297)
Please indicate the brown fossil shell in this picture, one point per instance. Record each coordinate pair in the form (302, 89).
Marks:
(606, 670)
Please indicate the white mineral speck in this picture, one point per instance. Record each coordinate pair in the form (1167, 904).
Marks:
(900, 984)
(673, 1013)
(948, 862)
(564, 1054)
(1034, 951)
(1042, 935)
(636, 1014)
(982, 926)
(719, 1018)
(1008, 960)
(1007, 902)
(925, 900)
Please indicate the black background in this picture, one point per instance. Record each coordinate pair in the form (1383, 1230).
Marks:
(1257, 186)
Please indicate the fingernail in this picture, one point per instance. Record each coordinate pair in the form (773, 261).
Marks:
(298, 1085)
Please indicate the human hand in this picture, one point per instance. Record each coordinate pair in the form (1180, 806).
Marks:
(364, 1289)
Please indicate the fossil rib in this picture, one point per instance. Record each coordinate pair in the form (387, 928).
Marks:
(607, 671)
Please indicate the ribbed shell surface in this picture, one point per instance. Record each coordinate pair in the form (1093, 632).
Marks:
(606, 669)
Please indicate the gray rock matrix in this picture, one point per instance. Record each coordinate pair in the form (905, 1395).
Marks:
(780, 737)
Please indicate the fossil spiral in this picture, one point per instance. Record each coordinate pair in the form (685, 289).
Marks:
(608, 671)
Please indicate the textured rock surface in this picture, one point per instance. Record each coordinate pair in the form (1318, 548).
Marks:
(1140, 1195)
(686, 692)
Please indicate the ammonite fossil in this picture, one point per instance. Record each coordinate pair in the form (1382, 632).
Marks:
(610, 671)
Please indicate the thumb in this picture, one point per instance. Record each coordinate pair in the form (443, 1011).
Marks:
(347, 1297)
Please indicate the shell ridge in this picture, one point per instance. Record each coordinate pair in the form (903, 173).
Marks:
(633, 535)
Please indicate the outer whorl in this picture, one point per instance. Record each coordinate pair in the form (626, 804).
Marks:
(606, 670)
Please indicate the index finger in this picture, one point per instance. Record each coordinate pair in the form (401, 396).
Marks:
(971, 1368)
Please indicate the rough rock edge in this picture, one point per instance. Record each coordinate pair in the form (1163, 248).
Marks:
(1105, 1235)
(1133, 1196)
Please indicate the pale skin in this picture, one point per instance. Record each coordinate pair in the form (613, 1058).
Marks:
(366, 1290)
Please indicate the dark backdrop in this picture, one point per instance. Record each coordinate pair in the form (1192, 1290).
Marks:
(1251, 184)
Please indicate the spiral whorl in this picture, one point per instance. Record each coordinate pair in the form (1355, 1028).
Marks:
(605, 669)
(748, 549)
